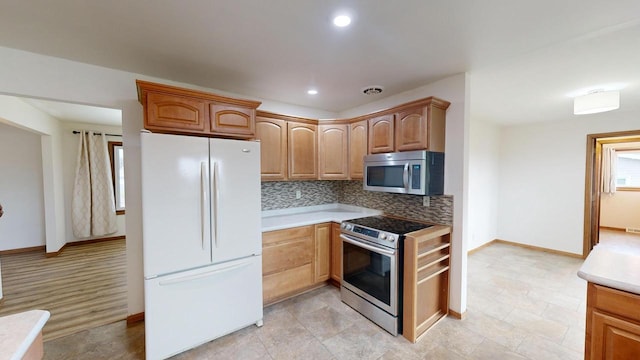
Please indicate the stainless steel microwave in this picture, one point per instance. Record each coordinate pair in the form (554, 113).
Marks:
(410, 172)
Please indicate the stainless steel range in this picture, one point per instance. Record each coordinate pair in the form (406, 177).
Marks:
(372, 249)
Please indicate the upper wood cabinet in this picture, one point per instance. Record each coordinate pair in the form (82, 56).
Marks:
(333, 162)
(302, 151)
(174, 110)
(169, 111)
(419, 125)
(357, 148)
(411, 130)
(421, 128)
(232, 120)
(272, 134)
(381, 134)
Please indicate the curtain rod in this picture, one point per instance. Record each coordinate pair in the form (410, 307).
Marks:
(96, 133)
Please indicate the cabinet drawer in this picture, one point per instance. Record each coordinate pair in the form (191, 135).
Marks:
(286, 255)
(615, 301)
(286, 282)
(273, 237)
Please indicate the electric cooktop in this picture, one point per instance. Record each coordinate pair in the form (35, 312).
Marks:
(389, 225)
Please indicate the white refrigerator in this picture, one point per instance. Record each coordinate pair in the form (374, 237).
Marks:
(202, 244)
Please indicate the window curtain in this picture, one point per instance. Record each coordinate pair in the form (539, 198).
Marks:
(609, 165)
(93, 209)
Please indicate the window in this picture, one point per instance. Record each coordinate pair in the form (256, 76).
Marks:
(116, 154)
(628, 170)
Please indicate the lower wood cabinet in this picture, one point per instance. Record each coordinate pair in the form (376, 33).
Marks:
(287, 262)
(613, 324)
(336, 254)
(295, 260)
(323, 252)
(426, 279)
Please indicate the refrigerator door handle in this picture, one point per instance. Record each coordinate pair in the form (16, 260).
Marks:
(221, 270)
(215, 193)
(203, 200)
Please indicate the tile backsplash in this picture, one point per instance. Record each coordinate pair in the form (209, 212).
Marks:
(282, 194)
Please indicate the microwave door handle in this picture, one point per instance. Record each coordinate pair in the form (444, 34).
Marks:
(405, 176)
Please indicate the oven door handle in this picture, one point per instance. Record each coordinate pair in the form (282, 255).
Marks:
(367, 246)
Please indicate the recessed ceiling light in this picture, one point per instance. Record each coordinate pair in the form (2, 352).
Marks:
(341, 21)
(312, 91)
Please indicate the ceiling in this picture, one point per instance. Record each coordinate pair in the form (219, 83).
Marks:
(77, 112)
(526, 58)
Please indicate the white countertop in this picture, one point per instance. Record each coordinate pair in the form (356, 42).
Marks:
(308, 215)
(613, 265)
(18, 331)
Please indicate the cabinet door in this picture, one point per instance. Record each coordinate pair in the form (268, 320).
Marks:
(381, 134)
(323, 252)
(411, 130)
(302, 150)
(234, 121)
(332, 149)
(272, 134)
(174, 113)
(614, 338)
(357, 148)
(336, 253)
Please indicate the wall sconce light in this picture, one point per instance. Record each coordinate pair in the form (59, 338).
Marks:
(596, 101)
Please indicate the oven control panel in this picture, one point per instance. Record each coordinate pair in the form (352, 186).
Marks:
(365, 232)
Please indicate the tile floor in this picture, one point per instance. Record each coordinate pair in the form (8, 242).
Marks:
(522, 304)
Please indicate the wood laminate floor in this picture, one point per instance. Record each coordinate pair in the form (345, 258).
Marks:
(84, 287)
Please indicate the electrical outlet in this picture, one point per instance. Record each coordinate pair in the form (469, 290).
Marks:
(426, 201)
(298, 194)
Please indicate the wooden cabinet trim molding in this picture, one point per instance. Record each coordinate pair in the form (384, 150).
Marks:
(433, 101)
(429, 101)
(271, 115)
(146, 86)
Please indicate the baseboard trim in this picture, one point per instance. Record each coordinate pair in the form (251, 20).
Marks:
(135, 318)
(613, 228)
(457, 315)
(539, 248)
(84, 242)
(481, 247)
(23, 250)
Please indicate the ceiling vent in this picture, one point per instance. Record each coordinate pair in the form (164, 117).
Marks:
(372, 90)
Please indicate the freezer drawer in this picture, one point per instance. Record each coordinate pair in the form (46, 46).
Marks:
(187, 309)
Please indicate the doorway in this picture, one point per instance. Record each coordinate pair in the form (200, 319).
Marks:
(593, 182)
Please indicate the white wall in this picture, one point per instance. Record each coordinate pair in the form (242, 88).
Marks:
(454, 89)
(21, 193)
(70, 153)
(33, 75)
(542, 171)
(620, 210)
(484, 180)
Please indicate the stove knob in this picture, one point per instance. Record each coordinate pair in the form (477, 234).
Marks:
(343, 225)
(392, 238)
(383, 236)
(348, 227)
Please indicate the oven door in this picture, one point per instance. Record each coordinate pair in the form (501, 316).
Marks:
(371, 271)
